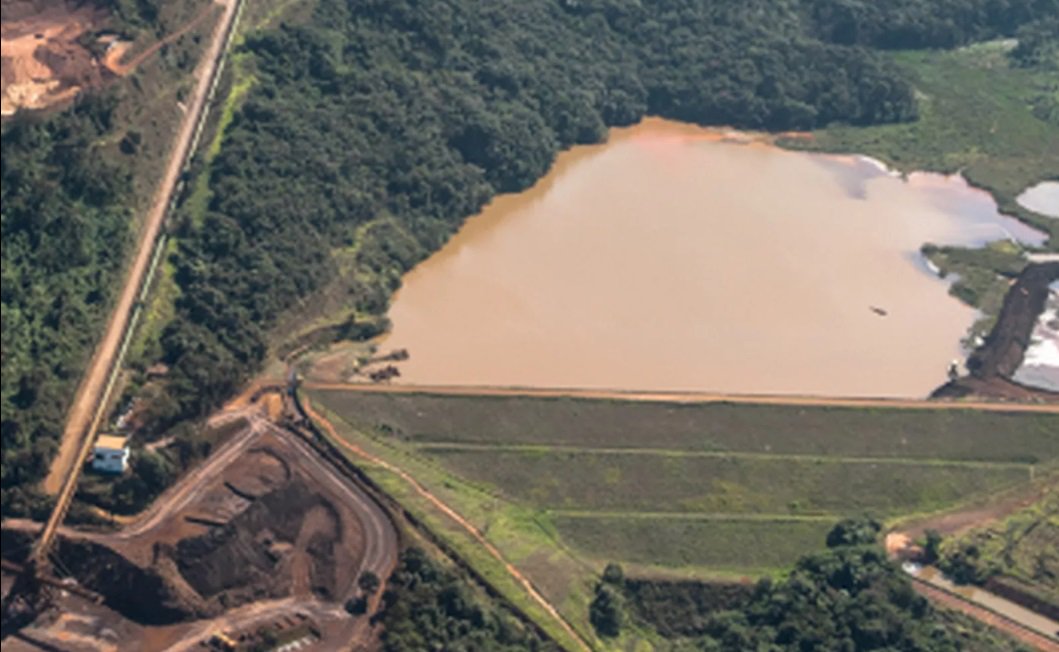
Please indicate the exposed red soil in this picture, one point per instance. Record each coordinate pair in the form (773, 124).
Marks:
(54, 49)
(957, 522)
(44, 59)
(262, 530)
(982, 405)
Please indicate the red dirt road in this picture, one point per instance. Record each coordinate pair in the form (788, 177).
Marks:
(452, 514)
(87, 401)
(117, 51)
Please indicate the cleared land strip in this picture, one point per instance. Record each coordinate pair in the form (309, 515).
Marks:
(687, 397)
(435, 446)
(90, 392)
(93, 392)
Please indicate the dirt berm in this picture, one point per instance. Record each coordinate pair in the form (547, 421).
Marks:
(1001, 354)
(1006, 344)
(243, 561)
(289, 541)
(139, 594)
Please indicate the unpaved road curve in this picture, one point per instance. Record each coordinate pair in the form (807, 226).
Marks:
(380, 536)
(113, 59)
(687, 397)
(452, 514)
(90, 390)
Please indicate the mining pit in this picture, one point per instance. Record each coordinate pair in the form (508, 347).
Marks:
(261, 531)
(46, 58)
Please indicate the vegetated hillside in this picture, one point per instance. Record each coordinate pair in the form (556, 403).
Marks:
(373, 130)
(849, 597)
(735, 488)
(427, 606)
(71, 183)
(989, 111)
(65, 225)
(561, 486)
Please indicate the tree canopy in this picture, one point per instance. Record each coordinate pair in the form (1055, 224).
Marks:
(65, 225)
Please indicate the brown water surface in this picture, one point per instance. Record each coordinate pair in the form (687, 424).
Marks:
(680, 258)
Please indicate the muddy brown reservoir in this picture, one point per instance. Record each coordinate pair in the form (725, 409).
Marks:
(680, 258)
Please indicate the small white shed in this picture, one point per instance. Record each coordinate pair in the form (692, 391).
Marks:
(111, 454)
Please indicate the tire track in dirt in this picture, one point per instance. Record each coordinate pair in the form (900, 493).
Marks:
(113, 63)
(454, 516)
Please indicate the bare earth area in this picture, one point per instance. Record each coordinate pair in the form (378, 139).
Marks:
(44, 60)
(52, 50)
(264, 533)
(86, 402)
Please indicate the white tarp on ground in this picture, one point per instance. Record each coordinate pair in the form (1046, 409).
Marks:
(1040, 365)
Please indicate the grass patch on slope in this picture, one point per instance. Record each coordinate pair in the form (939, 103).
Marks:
(728, 484)
(957, 435)
(562, 486)
(751, 547)
(525, 539)
(1022, 546)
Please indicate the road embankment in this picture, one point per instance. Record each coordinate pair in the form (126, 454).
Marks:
(994, 363)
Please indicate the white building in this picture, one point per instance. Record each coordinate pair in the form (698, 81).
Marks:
(111, 454)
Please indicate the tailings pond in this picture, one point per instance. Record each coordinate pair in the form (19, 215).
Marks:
(679, 258)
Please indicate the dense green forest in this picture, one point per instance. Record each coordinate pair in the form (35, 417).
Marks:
(71, 177)
(65, 224)
(376, 127)
(426, 607)
(848, 597)
(373, 128)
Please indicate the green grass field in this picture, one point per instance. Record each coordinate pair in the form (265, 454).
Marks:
(727, 484)
(913, 434)
(979, 115)
(561, 486)
(739, 546)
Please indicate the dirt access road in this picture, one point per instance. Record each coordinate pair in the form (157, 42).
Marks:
(196, 494)
(981, 614)
(441, 506)
(688, 397)
(89, 398)
(381, 538)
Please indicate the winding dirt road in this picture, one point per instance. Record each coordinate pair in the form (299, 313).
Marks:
(452, 514)
(112, 60)
(381, 541)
